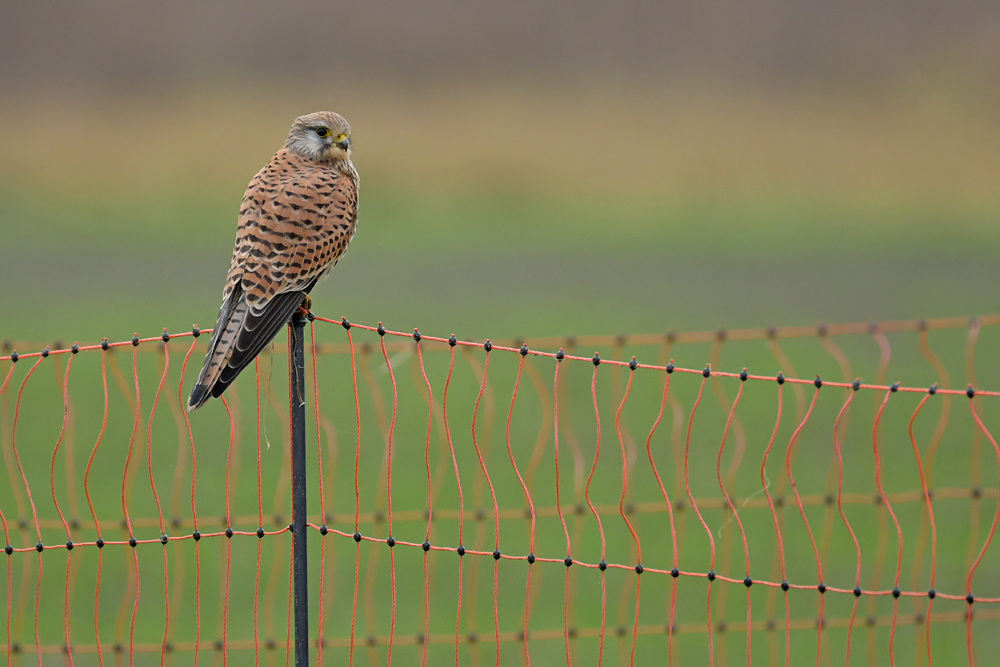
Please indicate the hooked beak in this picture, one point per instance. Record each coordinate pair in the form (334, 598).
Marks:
(345, 144)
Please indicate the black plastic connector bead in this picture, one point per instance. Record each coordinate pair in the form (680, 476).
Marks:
(970, 392)
(567, 561)
(426, 546)
(894, 388)
(310, 316)
(45, 352)
(821, 588)
(638, 568)
(416, 335)
(75, 348)
(69, 545)
(100, 543)
(39, 547)
(818, 382)
(487, 345)
(711, 575)
(132, 542)
(524, 350)
(196, 535)
(104, 344)
(675, 573)
(602, 565)
(357, 537)
(895, 592)
(932, 593)
(531, 558)
(163, 539)
(743, 375)
(596, 359)
(780, 378)
(165, 336)
(560, 354)
(323, 530)
(496, 554)
(856, 385)
(452, 340)
(13, 355)
(229, 531)
(670, 367)
(933, 389)
(391, 541)
(857, 591)
(260, 533)
(707, 371)
(632, 364)
(8, 550)
(381, 329)
(748, 582)
(135, 340)
(195, 331)
(968, 598)
(784, 586)
(344, 323)
(460, 550)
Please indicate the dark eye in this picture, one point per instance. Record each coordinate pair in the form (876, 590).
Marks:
(322, 132)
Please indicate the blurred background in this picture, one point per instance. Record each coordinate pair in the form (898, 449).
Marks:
(527, 168)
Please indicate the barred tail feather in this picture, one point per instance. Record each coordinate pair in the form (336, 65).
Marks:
(240, 335)
(220, 347)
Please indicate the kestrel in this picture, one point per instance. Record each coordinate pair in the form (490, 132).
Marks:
(298, 215)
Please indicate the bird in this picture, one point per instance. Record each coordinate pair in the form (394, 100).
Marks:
(298, 215)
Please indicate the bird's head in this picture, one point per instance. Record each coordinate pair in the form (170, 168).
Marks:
(323, 135)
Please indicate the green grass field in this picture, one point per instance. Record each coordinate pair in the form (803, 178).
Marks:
(687, 230)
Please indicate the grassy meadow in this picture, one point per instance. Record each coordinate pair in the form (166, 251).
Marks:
(512, 212)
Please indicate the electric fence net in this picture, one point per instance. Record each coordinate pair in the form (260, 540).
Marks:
(547, 500)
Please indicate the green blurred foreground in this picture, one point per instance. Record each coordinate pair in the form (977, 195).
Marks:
(708, 210)
(961, 461)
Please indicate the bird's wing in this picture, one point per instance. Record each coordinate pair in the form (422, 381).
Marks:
(296, 220)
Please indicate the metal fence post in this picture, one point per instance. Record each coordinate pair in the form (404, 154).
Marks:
(297, 408)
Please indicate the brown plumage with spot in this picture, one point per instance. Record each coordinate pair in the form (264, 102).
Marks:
(298, 215)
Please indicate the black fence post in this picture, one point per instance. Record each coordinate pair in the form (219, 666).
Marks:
(297, 408)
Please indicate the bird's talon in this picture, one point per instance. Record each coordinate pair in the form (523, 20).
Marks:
(307, 303)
